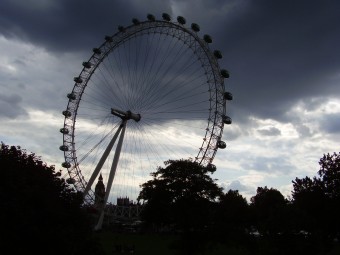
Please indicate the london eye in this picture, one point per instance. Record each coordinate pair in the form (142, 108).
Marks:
(151, 92)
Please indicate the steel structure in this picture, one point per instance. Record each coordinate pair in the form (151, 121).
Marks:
(167, 78)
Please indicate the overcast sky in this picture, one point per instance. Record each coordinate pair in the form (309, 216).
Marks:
(283, 58)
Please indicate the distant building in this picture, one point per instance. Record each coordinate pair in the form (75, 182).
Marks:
(99, 193)
(124, 201)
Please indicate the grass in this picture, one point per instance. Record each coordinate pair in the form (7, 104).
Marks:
(153, 244)
(142, 243)
(150, 244)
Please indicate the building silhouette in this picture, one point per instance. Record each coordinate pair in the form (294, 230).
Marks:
(99, 193)
(124, 201)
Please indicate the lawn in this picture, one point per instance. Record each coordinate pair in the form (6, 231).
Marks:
(140, 244)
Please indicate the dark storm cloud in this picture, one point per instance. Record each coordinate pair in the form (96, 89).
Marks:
(280, 52)
(66, 25)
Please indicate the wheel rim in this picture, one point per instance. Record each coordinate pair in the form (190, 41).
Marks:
(162, 71)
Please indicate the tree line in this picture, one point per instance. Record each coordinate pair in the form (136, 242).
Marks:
(42, 212)
(183, 197)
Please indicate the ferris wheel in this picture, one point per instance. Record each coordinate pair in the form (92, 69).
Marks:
(151, 92)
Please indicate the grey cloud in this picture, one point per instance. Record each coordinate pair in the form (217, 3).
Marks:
(66, 26)
(237, 185)
(270, 131)
(303, 130)
(280, 52)
(10, 106)
(269, 165)
(277, 52)
(330, 123)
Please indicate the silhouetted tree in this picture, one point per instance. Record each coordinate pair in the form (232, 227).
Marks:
(232, 218)
(268, 206)
(317, 201)
(180, 195)
(41, 213)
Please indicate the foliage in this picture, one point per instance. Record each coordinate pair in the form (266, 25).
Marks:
(318, 200)
(180, 195)
(39, 209)
(268, 206)
(232, 218)
(330, 175)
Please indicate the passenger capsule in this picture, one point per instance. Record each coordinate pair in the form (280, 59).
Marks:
(70, 181)
(221, 144)
(67, 113)
(87, 64)
(228, 96)
(78, 79)
(224, 73)
(226, 119)
(63, 148)
(135, 21)
(97, 51)
(166, 17)
(66, 164)
(108, 38)
(217, 54)
(121, 29)
(64, 130)
(195, 27)
(181, 20)
(151, 17)
(207, 38)
(211, 167)
(71, 96)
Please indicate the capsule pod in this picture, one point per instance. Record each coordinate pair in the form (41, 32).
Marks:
(67, 113)
(226, 119)
(135, 21)
(181, 20)
(63, 148)
(224, 73)
(121, 29)
(221, 144)
(211, 167)
(217, 54)
(108, 38)
(71, 96)
(151, 17)
(228, 96)
(166, 17)
(97, 51)
(66, 164)
(78, 79)
(87, 64)
(70, 181)
(207, 38)
(64, 130)
(195, 27)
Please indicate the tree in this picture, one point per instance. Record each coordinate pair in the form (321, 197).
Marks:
(232, 218)
(269, 211)
(40, 212)
(317, 199)
(180, 195)
(330, 175)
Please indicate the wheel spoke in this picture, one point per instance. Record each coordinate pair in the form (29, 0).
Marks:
(163, 82)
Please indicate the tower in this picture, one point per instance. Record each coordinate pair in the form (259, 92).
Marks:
(99, 193)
